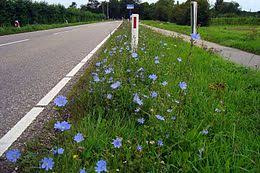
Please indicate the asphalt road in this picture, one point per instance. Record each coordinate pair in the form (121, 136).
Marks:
(31, 64)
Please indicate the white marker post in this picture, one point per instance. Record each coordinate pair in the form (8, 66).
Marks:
(194, 10)
(135, 30)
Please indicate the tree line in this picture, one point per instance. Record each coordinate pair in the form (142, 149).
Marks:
(28, 12)
(169, 10)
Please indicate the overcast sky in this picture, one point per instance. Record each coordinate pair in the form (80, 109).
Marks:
(253, 5)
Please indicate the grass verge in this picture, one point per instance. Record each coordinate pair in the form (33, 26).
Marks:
(31, 28)
(211, 126)
(246, 38)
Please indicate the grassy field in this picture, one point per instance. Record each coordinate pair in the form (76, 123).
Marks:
(246, 38)
(212, 125)
(238, 21)
(30, 28)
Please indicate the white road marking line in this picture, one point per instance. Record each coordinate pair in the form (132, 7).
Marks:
(75, 69)
(20, 41)
(12, 135)
(7, 140)
(63, 32)
(53, 92)
(87, 58)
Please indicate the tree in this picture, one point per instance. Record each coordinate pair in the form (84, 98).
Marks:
(147, 11)
(182, 13)
(164, 10)
(222, 8)
(94, 6)
(73, 5)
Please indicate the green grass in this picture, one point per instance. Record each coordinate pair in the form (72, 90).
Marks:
(232, 144)
(246, 38)
(235, 21)
(31, 28)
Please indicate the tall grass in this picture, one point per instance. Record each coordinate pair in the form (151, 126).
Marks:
(211, 126)
(235, 21)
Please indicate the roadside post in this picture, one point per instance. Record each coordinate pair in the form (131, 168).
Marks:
(194, 10)
(17, 24)
(135, 30)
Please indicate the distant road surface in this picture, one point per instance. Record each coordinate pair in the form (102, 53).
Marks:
(31, 64)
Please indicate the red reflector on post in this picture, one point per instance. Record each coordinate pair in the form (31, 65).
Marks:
(134, 22)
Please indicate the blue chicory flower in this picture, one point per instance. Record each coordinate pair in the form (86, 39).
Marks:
(154, 94)
(179, 59)
(110, 80)
(78, 137)
(101, 166)
(109, 96)
(115, 85)
(153, 77)
(104, 60)
(134, 55)
(139, 148)
(156, 61)
(62, 126)
(160, 142)
(164, 83)
(82, 170)
(47, 163)
(183, 85)
(159, 117)
(117, 142)
(108, 70)
(98, 64)
(140, 120)
(137, 99)
(60, 101)
(13, 155)
(195, 36)
(58, 151)
(204, 132)
(137, 109)
(96, 78)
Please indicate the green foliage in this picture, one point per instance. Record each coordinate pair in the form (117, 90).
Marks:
(246, 38)
(164, 10)
(147, 11)
(222, 8)
(182, 13)
(28, 12)
(235, 21)
(232, 144)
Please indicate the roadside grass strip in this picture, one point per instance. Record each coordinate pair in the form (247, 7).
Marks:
(169, 107)
(246, 38)
(39, 27)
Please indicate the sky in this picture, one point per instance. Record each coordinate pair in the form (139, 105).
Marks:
(253, 5)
